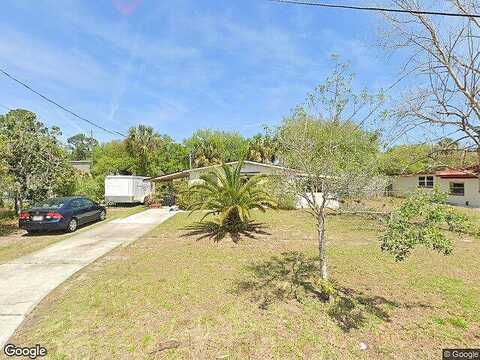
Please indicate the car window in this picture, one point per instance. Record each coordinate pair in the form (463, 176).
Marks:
(76, 204)
(50, 203)
(86, 202)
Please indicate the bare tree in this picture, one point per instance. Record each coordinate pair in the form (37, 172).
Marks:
(444, 56)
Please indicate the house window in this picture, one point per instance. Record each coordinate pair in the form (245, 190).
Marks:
(457, 189)
(425, 182)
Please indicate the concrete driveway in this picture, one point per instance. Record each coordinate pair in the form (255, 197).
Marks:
(25, 281)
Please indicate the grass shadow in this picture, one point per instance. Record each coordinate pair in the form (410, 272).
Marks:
(217, 232)
(294, 276)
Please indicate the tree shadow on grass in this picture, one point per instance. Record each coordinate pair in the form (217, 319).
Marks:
(294, 276)
(217, 232)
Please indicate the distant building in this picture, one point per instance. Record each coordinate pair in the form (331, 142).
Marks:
(461, 185)
(82, 165)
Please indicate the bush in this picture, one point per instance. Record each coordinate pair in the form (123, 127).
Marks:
(90, 186)
(282, 196)
(183, 196)
(165, 194)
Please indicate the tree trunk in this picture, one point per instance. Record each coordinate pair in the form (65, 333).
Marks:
(17, 210)
(322, 244)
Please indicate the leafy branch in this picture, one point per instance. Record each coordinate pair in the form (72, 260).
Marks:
(423, 219)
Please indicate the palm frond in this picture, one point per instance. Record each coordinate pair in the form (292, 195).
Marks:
(224, 191)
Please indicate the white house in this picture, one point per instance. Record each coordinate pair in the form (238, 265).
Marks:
(249, 168)
(462, 186)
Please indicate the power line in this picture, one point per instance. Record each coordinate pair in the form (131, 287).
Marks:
(113, 132)
(372, 8)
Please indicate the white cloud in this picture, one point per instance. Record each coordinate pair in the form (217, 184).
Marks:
(34, 59)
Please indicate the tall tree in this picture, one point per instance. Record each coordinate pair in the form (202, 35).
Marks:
(336, 160)
(407, 159)
(209, 147)
(112, 158)
(142, 142)
(326, 142)
(36, 163)
(81, 146)
(4, 178)
(444, 57)
(170, 157)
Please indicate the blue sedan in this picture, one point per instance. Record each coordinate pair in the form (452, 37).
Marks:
(62, 213)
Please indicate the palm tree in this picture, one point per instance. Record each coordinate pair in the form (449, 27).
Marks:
(227, 193)
(141, 142)
(262, 148)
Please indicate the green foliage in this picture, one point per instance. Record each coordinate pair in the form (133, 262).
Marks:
(280, 192)
(112, 158)
(142, 143)
(90, 186)
(5, 180)
(326, 140)
(185, 199)
(423, 219)
(418, 158)
(210, 147)
(406, 159)
(154, 154)
(143, 153)
(262, 149)
(339, 157)
(170, 157)
(81, 146)
(227, 193)
(36, 165)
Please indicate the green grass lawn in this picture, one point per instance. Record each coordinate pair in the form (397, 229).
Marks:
(15, 243)
(223, 300)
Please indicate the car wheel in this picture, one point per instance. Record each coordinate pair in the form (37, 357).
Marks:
(103, 215)
(72, 225)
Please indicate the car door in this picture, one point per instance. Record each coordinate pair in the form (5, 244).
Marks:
(92, 212)
(79, 211)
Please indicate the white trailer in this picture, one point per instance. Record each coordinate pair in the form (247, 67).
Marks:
(127, 189)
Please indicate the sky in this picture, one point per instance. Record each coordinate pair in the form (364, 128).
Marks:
(179, 65)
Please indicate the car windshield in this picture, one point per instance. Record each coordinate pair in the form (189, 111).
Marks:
(50, 203)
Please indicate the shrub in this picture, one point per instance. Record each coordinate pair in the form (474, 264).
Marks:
(92, 187)
(165, 194)
(280, 193)
(225, 192)
(184, 198)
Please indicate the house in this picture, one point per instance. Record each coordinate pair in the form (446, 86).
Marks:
(82, 166)
(461, 185)
(250, 168)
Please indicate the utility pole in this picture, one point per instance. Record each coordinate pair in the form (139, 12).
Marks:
(190, 160)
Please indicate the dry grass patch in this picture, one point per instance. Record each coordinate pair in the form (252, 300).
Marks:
(170, 296)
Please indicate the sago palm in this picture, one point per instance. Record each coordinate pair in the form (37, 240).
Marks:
(227, 193)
